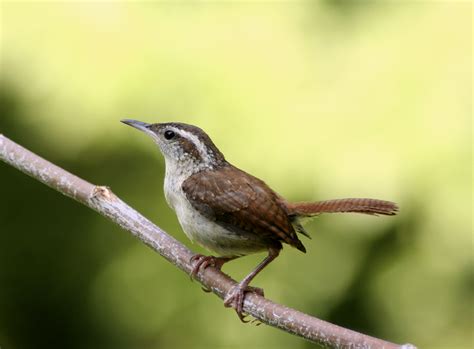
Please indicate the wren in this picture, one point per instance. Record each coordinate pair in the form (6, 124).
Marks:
(229, 211)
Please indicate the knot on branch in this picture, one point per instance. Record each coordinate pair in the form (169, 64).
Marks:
(103, 192)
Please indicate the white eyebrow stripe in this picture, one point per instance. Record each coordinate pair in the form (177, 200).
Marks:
(201, 147)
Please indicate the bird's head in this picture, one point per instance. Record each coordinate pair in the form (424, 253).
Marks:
(182, 144)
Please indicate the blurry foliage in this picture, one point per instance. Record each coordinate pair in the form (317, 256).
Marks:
(320, 99)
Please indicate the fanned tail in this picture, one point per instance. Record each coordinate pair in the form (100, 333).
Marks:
(366, 206)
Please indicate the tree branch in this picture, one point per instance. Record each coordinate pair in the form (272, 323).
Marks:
(104, 201)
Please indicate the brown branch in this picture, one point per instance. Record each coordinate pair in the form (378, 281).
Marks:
(104, 201)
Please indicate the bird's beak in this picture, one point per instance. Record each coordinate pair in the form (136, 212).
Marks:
(142, 126)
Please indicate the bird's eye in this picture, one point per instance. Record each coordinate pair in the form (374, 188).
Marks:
(169, 134)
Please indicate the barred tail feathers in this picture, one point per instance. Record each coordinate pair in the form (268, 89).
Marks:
(355, 205)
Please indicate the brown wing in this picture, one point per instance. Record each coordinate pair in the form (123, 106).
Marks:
(237, 200)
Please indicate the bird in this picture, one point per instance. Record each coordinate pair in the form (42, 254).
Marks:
(230, 212)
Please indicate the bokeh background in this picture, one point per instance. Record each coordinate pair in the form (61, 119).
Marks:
(322, 100)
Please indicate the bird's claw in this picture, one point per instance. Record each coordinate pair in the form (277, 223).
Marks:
(256, 290)
(206, 289)
(200, 261)
(235, 299)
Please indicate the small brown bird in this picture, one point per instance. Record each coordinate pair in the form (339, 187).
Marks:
(229, 211)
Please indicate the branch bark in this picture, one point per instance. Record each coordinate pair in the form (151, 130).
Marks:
(105, 202)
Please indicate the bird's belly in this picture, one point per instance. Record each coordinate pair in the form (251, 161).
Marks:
(215, 237)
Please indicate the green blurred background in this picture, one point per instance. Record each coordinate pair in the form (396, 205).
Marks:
(322, 100)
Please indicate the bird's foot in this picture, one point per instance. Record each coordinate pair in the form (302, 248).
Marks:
(235, 298)
(200, 261)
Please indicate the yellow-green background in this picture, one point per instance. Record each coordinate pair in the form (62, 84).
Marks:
(321, 99)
